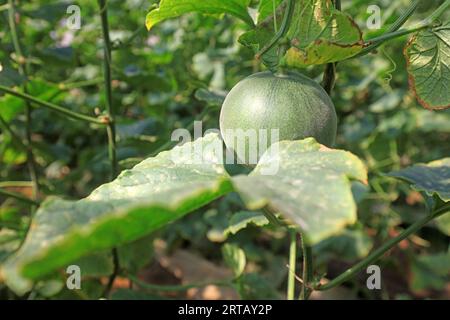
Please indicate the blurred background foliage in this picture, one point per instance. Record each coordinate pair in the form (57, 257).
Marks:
(156, 77)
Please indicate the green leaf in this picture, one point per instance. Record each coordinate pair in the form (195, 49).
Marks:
(265, 9)
(10, 77)
(242, 219)
(432, 178)
(321, 34)
(318, 34)
(443, 224)
(311, 187)
(254, 286)
(95, 265)
(256, 39)
(234, 258)
(10, 105)
(428, 65)
(431, 272)
(175, 8)
(141, 200)
(350, 245)
(136, 255)
(211, 97)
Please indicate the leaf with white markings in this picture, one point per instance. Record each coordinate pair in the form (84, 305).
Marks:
(311, 187)
(154, 193)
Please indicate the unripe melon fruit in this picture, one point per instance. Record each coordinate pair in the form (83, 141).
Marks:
(292, 103)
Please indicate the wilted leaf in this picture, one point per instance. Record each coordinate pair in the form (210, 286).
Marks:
(318, 34)
(428, 64)
(432, 178)
(175, 8)
(321, 34)
(311, 186)
(155, 192)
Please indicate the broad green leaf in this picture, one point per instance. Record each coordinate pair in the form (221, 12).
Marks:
(174, 8)
(311, 187)
(321, 34)
(431, 272)
(234, 257)
(432, 178)
(155, 192)
(428, 64)
(242, 219)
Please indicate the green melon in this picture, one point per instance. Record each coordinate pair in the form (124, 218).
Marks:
(292, 103)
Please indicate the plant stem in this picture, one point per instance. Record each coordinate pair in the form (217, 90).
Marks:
(19, 197)
(15, 137)
(394, 32)
(283, 29)
(23, 71)
(79, 84)
(15, 184)
(111, 127)
(438, 12)
(126, 43)
(329, 75)
(405, 16)
(307, 270)
(111, 130)
(378, 253)
(54, 107)
(292, 260)
(185, 287)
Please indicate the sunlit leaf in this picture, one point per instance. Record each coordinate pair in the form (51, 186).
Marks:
(155, 192)
(174, 8)
(311, 187)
